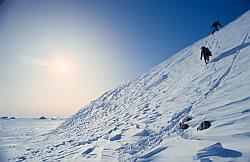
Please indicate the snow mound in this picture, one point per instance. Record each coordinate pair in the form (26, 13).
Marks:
(217, 150)
(141, 117)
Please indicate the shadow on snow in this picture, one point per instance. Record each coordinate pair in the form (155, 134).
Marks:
(230, 52)
(216, 150)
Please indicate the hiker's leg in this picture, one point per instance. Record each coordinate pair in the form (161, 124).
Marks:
(207, 58)
(216, 28)
(213, 31)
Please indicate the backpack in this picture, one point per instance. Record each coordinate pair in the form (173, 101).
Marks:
(208, 52)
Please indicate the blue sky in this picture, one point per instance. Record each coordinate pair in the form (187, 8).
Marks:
(56, 56)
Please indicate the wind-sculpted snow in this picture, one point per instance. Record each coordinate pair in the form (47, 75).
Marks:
(217, 150)
(139, 120)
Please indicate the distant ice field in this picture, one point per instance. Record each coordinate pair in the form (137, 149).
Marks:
(15, 133)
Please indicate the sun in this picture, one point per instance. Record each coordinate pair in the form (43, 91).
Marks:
(62, 65)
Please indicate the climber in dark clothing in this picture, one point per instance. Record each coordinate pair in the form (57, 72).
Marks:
(205, 52)
(215, 26)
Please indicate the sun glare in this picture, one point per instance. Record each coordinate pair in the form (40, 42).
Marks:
(63, 65)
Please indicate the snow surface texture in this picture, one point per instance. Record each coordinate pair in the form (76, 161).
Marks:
(16, 133)
(139, 120)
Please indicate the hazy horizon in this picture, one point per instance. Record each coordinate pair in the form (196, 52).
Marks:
(57, 56)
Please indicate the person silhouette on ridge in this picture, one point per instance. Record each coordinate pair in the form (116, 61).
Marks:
(205, 52)
(215, 26)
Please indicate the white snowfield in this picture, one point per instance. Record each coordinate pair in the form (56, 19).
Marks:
(139, 120)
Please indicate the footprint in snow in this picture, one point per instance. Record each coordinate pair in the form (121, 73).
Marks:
(116, 137)
(88, 151)
(143, 133)
(152, 153)
(22, 158)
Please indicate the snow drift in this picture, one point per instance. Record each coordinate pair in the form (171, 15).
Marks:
(139, 120)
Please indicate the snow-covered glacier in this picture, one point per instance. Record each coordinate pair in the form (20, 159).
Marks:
(139, 120)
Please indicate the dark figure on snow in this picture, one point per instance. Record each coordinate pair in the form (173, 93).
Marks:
(205, 53)
(215, 26)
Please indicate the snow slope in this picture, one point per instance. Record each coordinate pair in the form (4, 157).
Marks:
(138, 121)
